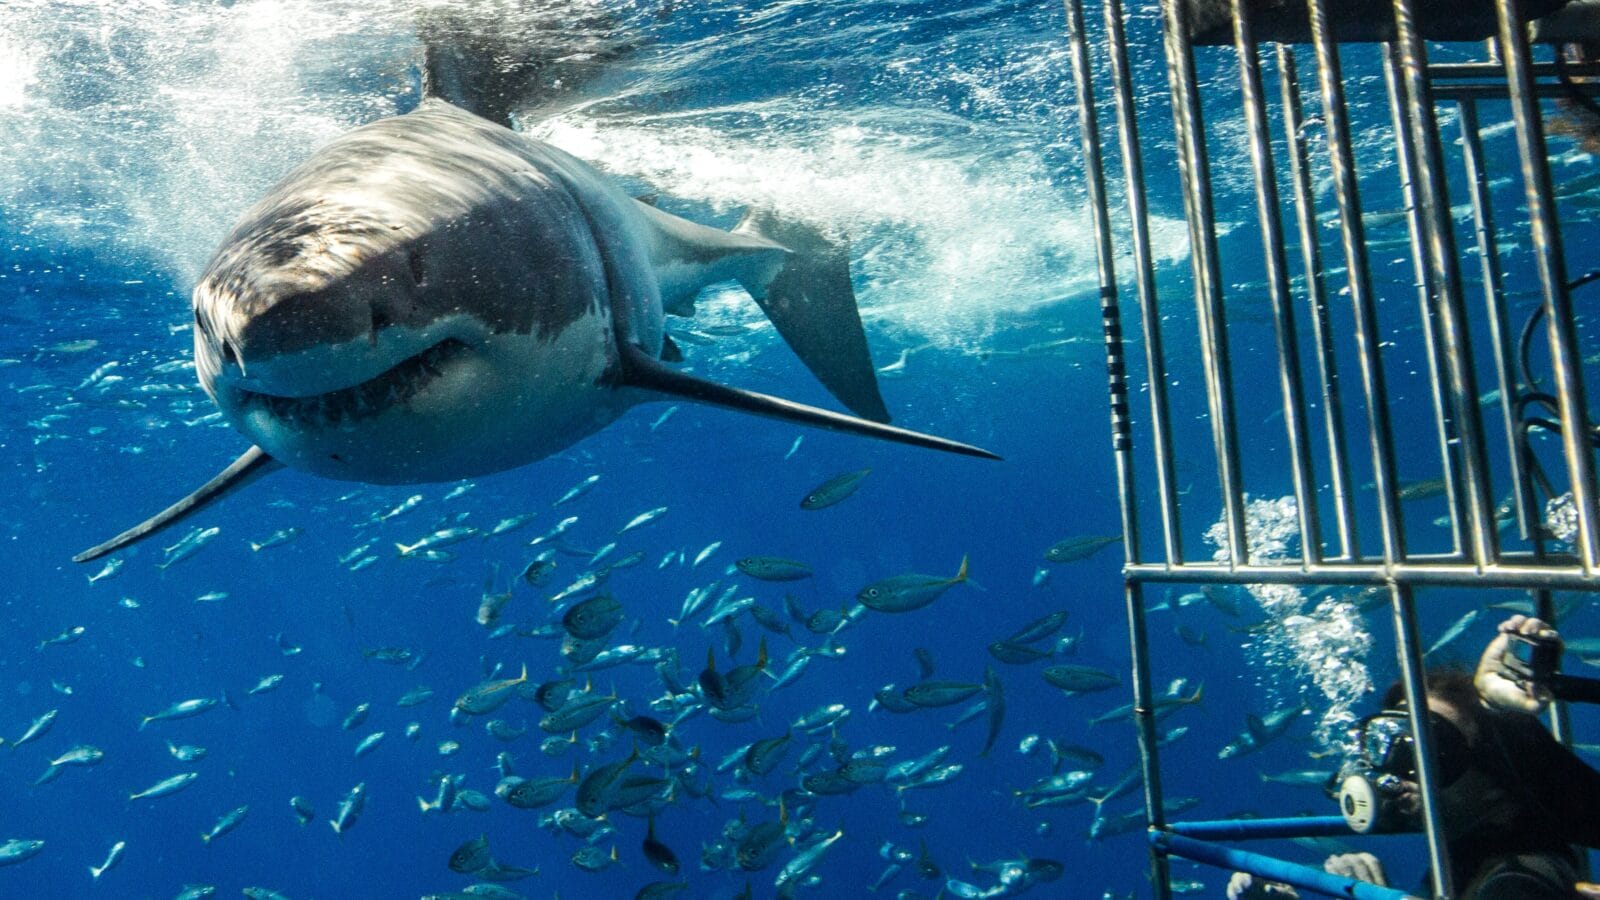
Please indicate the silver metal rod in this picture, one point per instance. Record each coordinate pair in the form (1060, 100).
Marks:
(1122, 443)
(1110, 314)
(1417, 230)
(1277, 270)
(1144, 719)
(1522, 572)
(1198, 212)
(1493, 71)
(1449, 306)
(1368, 344)
(1321, 327)
(1499, 92)
(1500, 333)
(1409, 648)
(1551, 261)
(1144, 271)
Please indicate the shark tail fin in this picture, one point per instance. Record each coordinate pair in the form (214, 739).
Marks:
(640, 371)
(807, 295)
(251, 465)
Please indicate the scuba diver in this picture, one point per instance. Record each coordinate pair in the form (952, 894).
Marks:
(1512, 799)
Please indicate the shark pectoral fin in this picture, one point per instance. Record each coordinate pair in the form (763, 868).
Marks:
(640, 371)
(253, 464)
(810, 301)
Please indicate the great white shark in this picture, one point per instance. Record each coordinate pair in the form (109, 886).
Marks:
(435, 296)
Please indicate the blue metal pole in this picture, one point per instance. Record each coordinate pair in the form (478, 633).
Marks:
(1257, 829)
(1271, 868)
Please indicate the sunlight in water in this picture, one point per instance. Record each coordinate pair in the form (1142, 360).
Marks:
(148, 130)
(1326, 644)
(16, 74)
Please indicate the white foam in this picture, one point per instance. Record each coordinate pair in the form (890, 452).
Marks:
(17, 74)
(142, 131)
(949, 235)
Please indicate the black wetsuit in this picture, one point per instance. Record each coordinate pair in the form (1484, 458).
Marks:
(1519, 846)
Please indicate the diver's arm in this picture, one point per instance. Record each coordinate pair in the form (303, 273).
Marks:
(1568, 788)
(1360, 866)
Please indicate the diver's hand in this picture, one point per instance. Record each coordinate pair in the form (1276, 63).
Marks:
(1361, 866)
(1499, 685)
(1244, 886)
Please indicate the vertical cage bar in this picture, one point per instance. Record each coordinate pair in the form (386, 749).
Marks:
(1122, 444)
(1110, 313)
(1500, 334)
(1550, 258)
(1321, 327)
(1409, 648)
(1449, 307)
(1269, 211)
(1144, 720)
(1347, 191)
(1427, 286)
(1144, 270)
(1195, 169)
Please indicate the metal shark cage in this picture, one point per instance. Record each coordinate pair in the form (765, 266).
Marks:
(1533, 440)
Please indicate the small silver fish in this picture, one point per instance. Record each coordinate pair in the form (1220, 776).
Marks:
(643, 519)
(229, 821)
(904, 593)
(15, 851)
(404, 507)
(303, 810)
(275, 539)
(577, 490)
(112, 859)
(112, 567)
(69, 636)
(188, 546)
(266, 684)
(662, 419)
(36, 728)
(169, 786)
(441, 538)
(511, 524)
(834, 490)
(350, 808)
(368, 744)
(185, 752)
(1453, 632)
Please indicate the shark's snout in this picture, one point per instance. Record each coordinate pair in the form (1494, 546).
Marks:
(300, 321)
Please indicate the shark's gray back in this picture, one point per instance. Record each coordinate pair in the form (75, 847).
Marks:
(530, 238)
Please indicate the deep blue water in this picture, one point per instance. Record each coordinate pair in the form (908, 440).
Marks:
(939, 135)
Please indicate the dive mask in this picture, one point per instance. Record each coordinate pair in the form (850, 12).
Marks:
(1385, 765)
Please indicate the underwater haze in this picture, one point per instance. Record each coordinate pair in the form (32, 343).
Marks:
(941, 138)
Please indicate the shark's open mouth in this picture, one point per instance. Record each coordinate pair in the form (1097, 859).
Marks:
(362, 401)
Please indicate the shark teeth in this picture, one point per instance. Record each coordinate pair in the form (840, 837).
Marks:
(366, 400)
